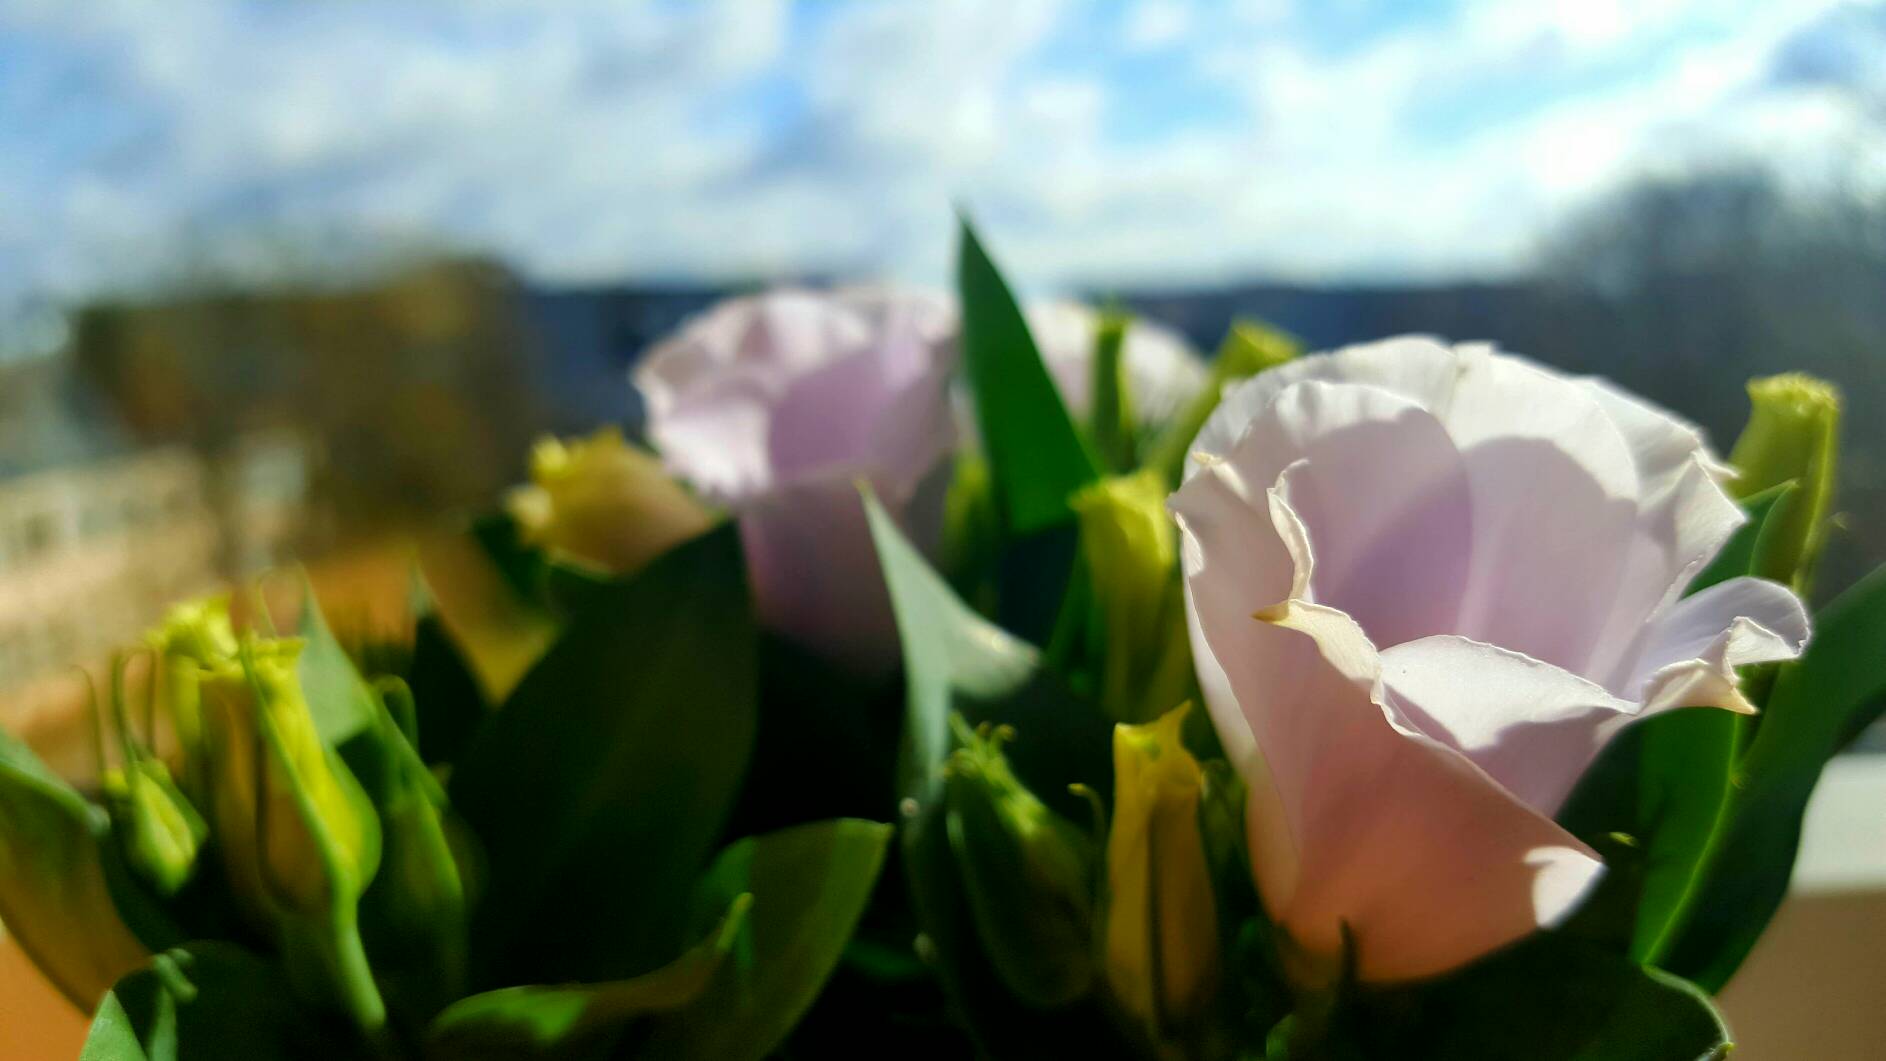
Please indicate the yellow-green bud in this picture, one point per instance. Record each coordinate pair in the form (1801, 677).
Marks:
(1792, 434)
(306, 841)
(161, 832)
(1250, 347)
(1027, 871)
(1131, 550)
(603, 503)
(1161, 942)
(194, 637)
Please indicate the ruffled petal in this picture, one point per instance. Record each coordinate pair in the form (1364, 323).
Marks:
(1404, 842)
(1680, 528)
(1356, 818)
(1382, 495)
(1688, 656)
(1417, 368)
(1531, 726)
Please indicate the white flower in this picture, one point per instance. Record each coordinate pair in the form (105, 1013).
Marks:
(1426, 585)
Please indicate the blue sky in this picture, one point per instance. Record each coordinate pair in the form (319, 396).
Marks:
(1155, 142)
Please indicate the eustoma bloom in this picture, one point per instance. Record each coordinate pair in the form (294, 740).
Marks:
(1161, 370)
(776, 406)
(1425, 586)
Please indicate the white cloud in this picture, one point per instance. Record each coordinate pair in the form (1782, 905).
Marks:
(1157, 24)
(587, 141)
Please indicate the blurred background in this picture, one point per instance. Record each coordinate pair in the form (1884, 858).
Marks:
(289, 280)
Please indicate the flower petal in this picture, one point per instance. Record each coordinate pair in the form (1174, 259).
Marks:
(1531, 726)
(1403, 842)
(814, 572)
(1382, 495)
(1679, 529)
(1424, 858)
(1689, 654)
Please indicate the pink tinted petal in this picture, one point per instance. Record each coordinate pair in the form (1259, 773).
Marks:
(1382, 495)
(1662, 443)
(1531, 726)
(1689, 654)
(1234, 563)
(880, 411)
(1416, 368)
(1425, 860)
(1679, 530)
(716, 437)
(1554, 492)
(815, 576)
(773, 336)
(1161, 370)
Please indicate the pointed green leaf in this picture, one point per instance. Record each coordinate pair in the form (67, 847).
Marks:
(208, 1001)
(809, 884)
(579, 1020)
(954, 660)
(1548, 999)
(337, 697)
(449, 705)
(1036, 457)
(55, 896)
(602, 785)
(1816, 703)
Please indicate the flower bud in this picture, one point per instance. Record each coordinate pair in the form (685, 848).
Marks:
(195, 636)
(304, 840)
(161, 832)
(1250, 347)
(603, 503)
(1792, 434)
(1130, 546)
(1028, 872)
(1161, 953)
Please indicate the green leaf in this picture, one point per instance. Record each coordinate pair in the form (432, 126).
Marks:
(954, 660)
(1743, 553)
(338, 699)
(1110, 420)
(809, 884)
(413, 914)
(1662, 786)
(207, 1001)
(1550, 998)
(1815, 703)
(55, 896)
(579, 1020)
(1036, 457)
(602, 785)
(450, 707)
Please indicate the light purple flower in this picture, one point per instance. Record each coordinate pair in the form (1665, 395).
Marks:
(1162, 371)
(775, 406)
(1426, 584)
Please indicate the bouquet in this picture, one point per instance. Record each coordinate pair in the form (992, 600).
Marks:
(954, 678)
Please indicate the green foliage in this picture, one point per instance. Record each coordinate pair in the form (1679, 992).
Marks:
(55, 898)
(1110, 420)
(809, 884)
(956, 661)
(588, 799)
(573, 1021)
(209, 1001)
(1551, 998)
(1815, 705)
(1036, 457)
